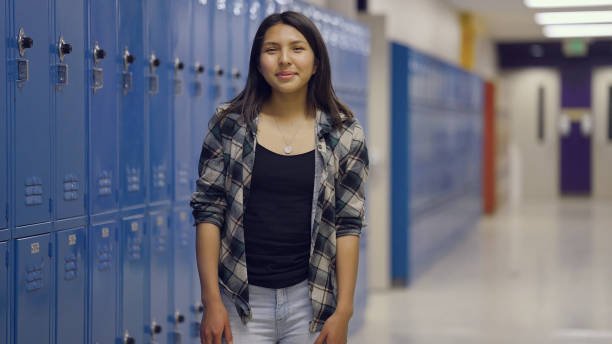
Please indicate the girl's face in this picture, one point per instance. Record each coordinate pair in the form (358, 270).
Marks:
(286, 60)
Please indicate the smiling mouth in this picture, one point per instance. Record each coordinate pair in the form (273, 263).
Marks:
(285, 75)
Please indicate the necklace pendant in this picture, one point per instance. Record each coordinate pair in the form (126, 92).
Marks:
(288, 149)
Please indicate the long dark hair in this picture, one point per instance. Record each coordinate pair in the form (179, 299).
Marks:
(321, 94)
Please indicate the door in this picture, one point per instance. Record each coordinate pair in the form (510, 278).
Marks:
(70, 112)
(32, 111)
(133, 278)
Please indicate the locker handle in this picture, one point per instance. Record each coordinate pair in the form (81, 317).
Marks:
(218, 70)
(156, 328)
(66, 48)
(63, 48)
(178, 64)
(179, 318)
(24, 42)
(128, 58)
(199, 68)
(236, 73)
(100, 54)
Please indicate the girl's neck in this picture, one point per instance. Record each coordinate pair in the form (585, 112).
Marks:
(286, 107)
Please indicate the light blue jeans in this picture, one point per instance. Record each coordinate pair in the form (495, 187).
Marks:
(279, 316)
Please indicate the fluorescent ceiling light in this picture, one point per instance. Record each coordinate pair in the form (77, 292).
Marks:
(580, 30)
(566, 3)
(585, 17)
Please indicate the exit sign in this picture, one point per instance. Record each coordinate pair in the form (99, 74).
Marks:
(575, 47)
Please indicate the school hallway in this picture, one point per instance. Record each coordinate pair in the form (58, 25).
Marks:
(538, 273)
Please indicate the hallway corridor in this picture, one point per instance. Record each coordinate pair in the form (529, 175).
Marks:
(541, 273)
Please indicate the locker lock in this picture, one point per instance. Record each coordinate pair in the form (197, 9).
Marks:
(127, 339)
(156, 328)
(98, 53)
(179, 318)
(63, 48)
(199, 69)
(236, 73)
(178, 64)
(218, 70)
(154, 62)
(24, 42)
(198, 308)
(128, 58)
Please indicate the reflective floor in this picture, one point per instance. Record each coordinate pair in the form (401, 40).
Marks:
(538, 274)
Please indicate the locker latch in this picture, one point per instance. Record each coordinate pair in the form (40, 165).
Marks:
(98, 74)
(23, 65)
(61, 75)
(126, 75)
(198, 88)
(178, 82)
(152, 78)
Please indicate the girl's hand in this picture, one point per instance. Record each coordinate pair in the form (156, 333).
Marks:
(335, 330)
(215, 324)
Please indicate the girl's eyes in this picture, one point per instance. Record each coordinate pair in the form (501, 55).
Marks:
(268, 50)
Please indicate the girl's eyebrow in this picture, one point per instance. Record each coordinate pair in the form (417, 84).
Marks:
(275, 43)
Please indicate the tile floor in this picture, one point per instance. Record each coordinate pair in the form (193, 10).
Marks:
(541, 274)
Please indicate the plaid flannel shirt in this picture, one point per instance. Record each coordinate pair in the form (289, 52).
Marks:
(222, 190)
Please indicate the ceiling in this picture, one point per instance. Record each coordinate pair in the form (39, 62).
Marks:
(507, 20)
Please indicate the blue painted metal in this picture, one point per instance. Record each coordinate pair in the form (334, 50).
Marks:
(184, 80)
(160, 119)
(201, 108)
(4, 292)
(183, 259)
(71, 278)
(240, 47)
(221, 71)
(132, 130)
(4, 110)
(160, 246)
(103, 298)
(133, 278)
(70, 112)
(103, 94)
(33, 290)
(255, 17)
(32, 112)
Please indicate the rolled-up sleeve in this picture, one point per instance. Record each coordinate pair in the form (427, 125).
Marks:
(351, 185)
(208, 201)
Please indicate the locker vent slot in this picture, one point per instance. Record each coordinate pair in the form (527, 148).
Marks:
(133, 179)
(159, 177)
(34, 277)
(71, 187)
(183, 175)
(33, 191)
(70, 267)
(104, 257)
(105, 183)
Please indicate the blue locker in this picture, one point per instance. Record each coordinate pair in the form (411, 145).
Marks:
(160, 245)
(32, 116)
(104, 65)
(132, 130)
(201, 107)
(133, 279)
(4, 292)
(70, 113)
(269, 7)
(220, 53)
(159, 97)
(182, 269)
(103, 260)
(185, 76)
(198, 307)
(4, 142)
(71, 276)
(240, 47)
(33, 289)
(255, 18)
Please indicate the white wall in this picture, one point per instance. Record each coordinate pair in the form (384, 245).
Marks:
(430, 26)
(534, 166)
(601, 147)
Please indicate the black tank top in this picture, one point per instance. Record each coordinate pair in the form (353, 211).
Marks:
(277, 218)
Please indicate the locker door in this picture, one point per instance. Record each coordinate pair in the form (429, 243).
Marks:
(132, 134)
(160, 123)
(221, 50)
(201, 110)
(4, 292)
(3, 120)
(103, 282)
(181, 44)
(183, 258)
(104, 63)
(70, 280)
(240, 47)
(196, 297)
(255, 18)
(33, 289)
(32, 111)
(69, 90)
(159, 270)
(133, 280)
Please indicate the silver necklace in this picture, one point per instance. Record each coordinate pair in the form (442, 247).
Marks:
(288, 147)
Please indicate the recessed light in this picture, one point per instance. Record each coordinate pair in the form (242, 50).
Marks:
(578, 30)
(566, 3)
(584, 17)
